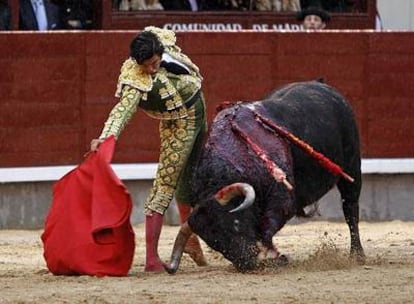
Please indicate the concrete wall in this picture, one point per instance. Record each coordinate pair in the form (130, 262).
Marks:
(383, 197)
(396, 14)
(25, 205)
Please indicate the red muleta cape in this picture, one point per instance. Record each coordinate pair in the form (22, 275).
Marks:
(88, 229)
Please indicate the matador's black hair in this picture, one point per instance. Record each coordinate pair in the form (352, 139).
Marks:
(144, 46)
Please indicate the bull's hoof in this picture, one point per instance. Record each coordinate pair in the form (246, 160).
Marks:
(359, 257)
(197, 256)
(194, 250)
(280, 261)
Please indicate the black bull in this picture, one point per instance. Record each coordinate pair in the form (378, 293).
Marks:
(276, 175)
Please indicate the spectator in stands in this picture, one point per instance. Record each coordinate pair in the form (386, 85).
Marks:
(357, 6)
(41, 15)
(182, 5)
(166, 84)
(337, 6)
(241, 5)
(5, 16)
(137, 5)
(79, 14)
(278, 5)
(313, 18)
(200, 5)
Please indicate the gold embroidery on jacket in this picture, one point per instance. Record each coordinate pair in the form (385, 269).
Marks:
(133, 74)
(168, 40)
(121, 113)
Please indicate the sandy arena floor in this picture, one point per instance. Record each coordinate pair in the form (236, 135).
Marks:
(320, 271)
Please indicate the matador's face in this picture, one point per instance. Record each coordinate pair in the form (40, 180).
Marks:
(152, 65)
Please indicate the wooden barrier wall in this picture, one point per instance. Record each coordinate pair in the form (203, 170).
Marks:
(57, 88)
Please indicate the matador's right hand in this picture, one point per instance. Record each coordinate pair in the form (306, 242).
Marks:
(95, 143)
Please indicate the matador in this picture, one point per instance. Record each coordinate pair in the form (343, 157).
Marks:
(161, 80)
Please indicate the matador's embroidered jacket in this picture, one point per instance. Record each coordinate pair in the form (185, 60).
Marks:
(163, 96)
(176, 100)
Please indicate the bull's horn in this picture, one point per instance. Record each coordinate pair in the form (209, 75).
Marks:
(227, 193)
(178, 249)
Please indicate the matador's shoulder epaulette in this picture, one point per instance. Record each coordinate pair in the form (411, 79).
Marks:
(133, 74)
(168, 40)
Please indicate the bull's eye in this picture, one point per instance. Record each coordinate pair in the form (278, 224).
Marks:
(236, 225)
